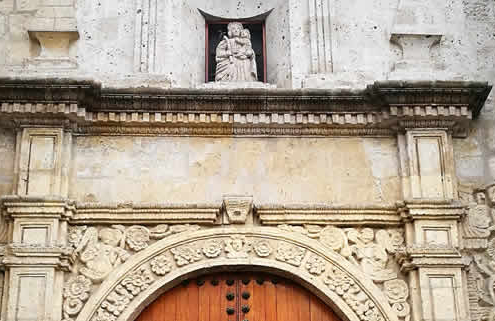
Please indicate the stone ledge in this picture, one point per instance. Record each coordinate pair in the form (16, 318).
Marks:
(328, 214)
(432, 209)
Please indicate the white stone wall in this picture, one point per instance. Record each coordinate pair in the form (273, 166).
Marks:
(273, 170)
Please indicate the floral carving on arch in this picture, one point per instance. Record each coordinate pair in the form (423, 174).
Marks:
(143, 276)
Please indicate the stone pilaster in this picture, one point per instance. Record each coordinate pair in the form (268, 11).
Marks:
(432, 216)
(35, 257)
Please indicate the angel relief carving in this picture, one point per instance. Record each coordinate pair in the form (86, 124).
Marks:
(101, 252)
(365, 248)
(479, 218)
(479, 247)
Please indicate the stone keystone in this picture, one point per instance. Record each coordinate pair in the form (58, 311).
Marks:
(237, 208)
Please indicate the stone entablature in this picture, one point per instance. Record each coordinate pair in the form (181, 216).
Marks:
(381, 110)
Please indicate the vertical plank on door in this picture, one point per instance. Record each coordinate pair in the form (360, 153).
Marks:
(205, 292)
(258, 300)
(270, 301)
(193, 301)
(169, 303)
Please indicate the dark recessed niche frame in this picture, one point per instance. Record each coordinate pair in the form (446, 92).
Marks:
(216, 28)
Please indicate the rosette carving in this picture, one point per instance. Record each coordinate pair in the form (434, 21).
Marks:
(340, 283)
(186, 254)
(160, 265)
(290, 253)
(212, 248)
(262, 248)
(137, 237)
(316, 265)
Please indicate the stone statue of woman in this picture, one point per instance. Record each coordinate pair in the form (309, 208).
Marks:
(235, 57)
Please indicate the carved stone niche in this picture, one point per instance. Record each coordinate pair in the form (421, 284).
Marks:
(238, 209)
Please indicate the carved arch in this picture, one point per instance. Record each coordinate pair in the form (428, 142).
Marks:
(138, 281)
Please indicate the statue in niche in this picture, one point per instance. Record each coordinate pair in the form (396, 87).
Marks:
(235, 57)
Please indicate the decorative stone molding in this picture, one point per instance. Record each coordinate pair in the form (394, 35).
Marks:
(128, 213)
(276, 214)
(123, 294)
(432, 209)
(145, 36)
(238, 208)
(380, 109)
(320, 22)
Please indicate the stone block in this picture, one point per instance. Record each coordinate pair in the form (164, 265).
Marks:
(42, 23)
(58, 3)
(46, 12)
(65, 24)
(27, 5)
(6, 6)
(64, 12)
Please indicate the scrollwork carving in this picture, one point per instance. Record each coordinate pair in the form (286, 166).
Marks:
(76, 292)
(397, 293)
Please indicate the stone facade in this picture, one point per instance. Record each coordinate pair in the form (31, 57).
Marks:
(363, 170)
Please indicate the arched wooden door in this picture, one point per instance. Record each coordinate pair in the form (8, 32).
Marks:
(238, 297)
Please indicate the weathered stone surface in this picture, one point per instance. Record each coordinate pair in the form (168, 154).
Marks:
(7, 155)
(347, 171)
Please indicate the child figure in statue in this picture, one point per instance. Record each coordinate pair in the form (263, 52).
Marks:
(235, 56)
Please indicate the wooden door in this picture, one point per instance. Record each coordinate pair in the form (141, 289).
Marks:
(238, 297)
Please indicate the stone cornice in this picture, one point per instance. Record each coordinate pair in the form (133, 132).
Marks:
(434, 209)
(328, 214)
(145, 213)
(206, 214)
(380, 110)
(40, 207)
(429, 255)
